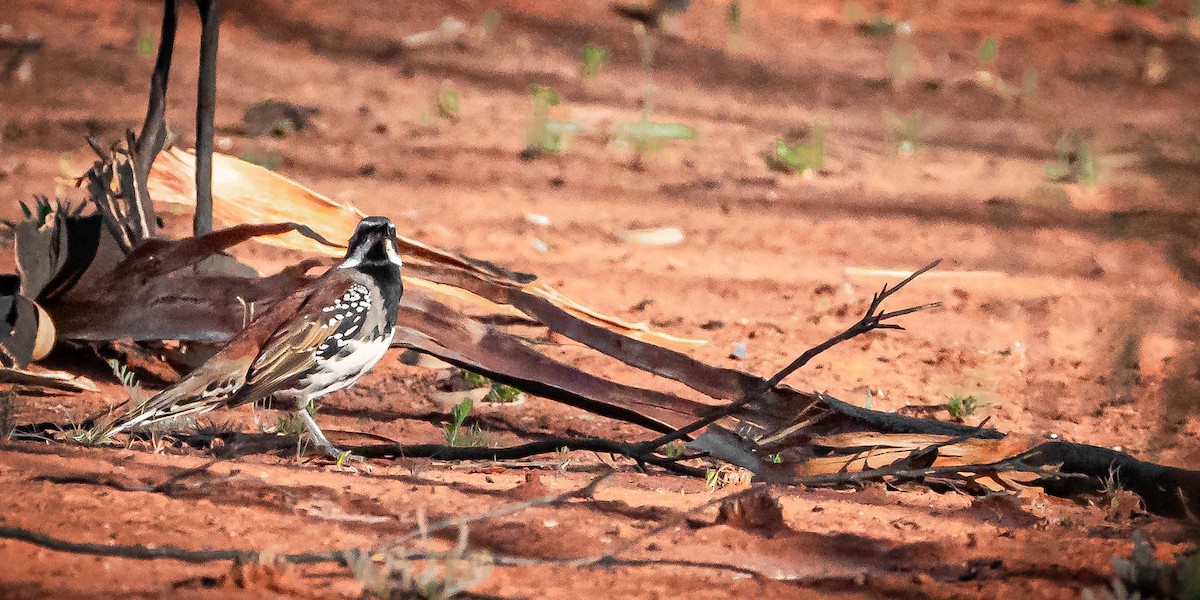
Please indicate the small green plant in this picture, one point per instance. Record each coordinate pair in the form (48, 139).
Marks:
(487, 26)
(126, 376)
(290, 423)
(799, 152)
(963, 406)
(502, 393)
(711, 478)
(448, 103)
(145, 36)
(1076, 161)
(97, 435)
(546, 134)
(988, 51)
(1142, 576)
(459, 437)
(734, 17)
(648, 136)
(564, 458)
(476, 379)
(674, 449)
(594, 58)
(458, 415)
(499, 393)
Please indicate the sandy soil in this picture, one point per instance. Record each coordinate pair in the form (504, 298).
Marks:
(1070, 308)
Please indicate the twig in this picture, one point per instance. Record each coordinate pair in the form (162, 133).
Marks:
(543, 446)
(874, 319)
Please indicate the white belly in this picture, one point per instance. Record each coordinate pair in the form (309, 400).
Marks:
(344, 369)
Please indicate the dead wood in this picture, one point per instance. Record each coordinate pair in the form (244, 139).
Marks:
(1166, 491)
(154, 134)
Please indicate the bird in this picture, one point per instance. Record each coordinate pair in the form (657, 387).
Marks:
(318, 340)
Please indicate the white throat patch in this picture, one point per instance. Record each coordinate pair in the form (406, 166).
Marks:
(356, 259)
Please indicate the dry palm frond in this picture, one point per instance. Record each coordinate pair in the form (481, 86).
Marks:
(247, 193)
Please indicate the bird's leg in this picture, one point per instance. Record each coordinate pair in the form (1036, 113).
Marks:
(319, 438)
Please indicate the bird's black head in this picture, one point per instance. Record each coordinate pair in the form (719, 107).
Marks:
(373, 245)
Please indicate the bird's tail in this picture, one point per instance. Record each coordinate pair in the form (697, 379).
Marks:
(185, 398)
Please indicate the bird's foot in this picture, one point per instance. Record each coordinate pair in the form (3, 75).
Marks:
(339, 455)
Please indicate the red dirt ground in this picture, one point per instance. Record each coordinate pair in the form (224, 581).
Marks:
(1063, 321)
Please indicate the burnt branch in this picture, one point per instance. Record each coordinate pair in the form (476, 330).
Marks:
(543, 446)
(875, 318)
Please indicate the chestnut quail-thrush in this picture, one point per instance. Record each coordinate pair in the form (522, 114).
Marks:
(318, 340)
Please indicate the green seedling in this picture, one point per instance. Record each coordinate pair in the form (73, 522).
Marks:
(711, 478)
(964, 406)
(734, 17)
(126, 376)
(546, 134)
(777, 458)
(458, 415)
(988, 51)
(594, 58)
(499, 393)
(564, 458)
(1076, 162)
(674, 449)
(290, 423)
(476, 379)
(488, 25)
(448, 103)
(459, 437)
(502, 393)
(799, 153)
(649, 136)
(145, 37)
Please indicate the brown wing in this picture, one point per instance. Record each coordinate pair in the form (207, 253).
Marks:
(292, 349)
(219, 380)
